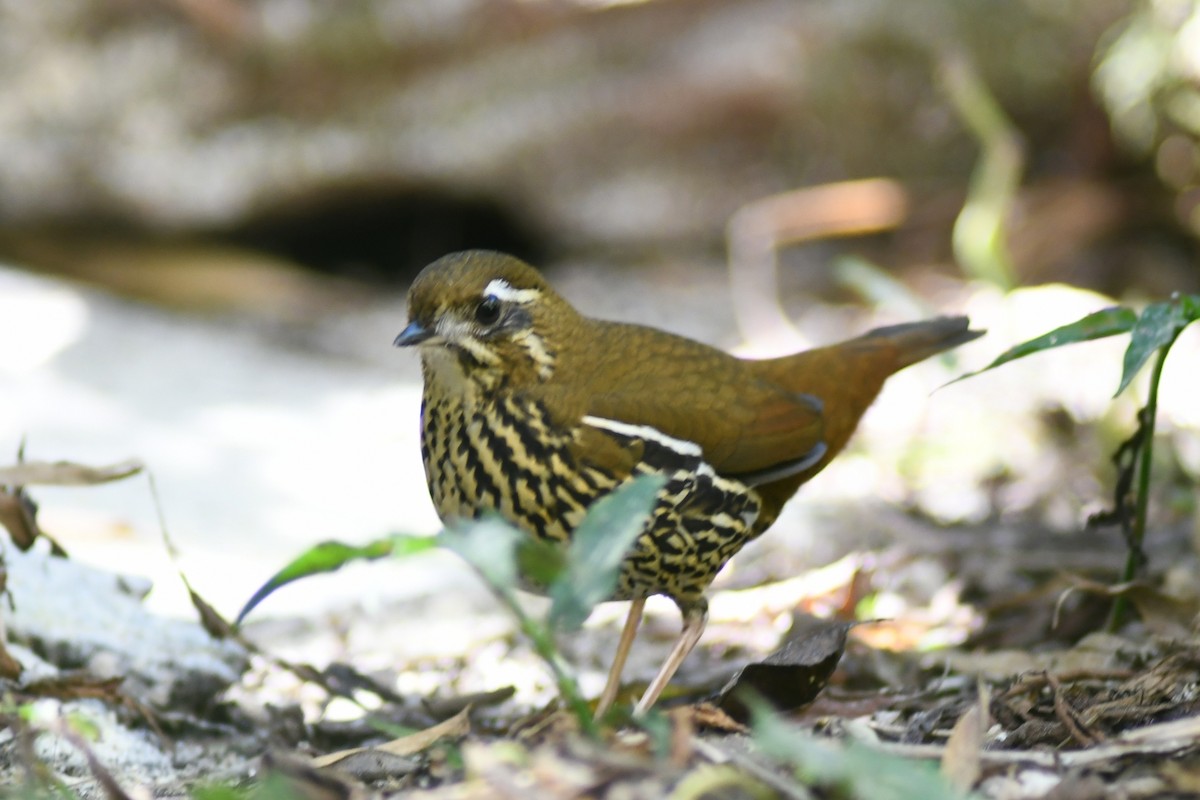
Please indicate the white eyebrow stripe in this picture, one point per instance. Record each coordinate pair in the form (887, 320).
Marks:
(646, 433)
(503, 290)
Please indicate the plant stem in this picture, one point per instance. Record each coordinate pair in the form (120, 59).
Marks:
(1142, 502)
(979, 232)
(543, 645)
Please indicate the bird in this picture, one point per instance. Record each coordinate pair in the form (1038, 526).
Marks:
(533, 411)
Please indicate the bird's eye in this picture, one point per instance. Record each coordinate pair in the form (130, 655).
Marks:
(488, 310)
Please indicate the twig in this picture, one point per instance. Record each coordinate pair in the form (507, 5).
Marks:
(1067, 715)
(720, 755)
(1033, 681)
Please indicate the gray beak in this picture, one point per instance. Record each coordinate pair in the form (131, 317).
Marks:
(415, 333)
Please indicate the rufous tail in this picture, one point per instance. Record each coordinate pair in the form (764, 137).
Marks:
(846, 377)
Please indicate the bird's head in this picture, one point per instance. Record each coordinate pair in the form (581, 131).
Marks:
(486, 314)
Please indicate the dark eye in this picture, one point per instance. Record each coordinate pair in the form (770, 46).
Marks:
(488, 310)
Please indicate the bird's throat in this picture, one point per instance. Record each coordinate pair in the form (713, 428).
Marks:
(455, 373)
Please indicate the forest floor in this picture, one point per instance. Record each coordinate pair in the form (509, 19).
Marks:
(925, 626)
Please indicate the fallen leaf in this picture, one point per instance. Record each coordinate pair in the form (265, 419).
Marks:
(217, 626)
(1168, 616)
(10, 668)
(456, 727)
(1164, 614)
(962, 762)
(1183, 777)
(683, 730)
(18, 515)
(294, 777)
(66, 473)
(77, 686)
(445, 706)
(550, 723)
(344, 680)
(370, 765)
(706, 715)
(793, 675)
(1096, 653)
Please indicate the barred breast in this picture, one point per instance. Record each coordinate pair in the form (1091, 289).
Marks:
(502, 455)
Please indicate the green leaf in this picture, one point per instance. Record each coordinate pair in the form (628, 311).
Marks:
(1191, 305)
(1097, 325)
(1158, 326)
(597, 549)
(857, 770)
(330, 556)
(84, 725)
(878, 287)
(494, 548)
(389, 729)
(490, 546)
(540, 562)
(218, 792)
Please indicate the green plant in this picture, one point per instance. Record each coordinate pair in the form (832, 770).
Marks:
(1152, 332)
(576, 578)
(849, 770)
(979, 232)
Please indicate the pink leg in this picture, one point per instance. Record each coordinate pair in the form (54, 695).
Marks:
(628, 633)
(695, 617)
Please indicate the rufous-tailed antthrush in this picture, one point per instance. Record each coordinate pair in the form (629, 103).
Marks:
(533, 411)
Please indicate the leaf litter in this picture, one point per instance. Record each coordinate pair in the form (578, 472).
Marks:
(858, 708)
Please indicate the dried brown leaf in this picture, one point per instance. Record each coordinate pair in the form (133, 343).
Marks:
(793, 675)
(77, 686)
(962, 760)
(66, 473)
(706, 715)
(456, 727)
(10, 668)
(217, 626)
(306, 782)
(1182, 777)
(683, 730)
(1164, 614)
(369, 765)
(447, 706)
(548, 724)
(18, 515)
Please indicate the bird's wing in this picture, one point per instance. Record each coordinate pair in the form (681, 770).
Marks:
(745, 424)
(658, 396)
(753, 431)
(657, 393)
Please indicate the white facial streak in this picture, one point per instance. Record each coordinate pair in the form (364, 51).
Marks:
(505, 291)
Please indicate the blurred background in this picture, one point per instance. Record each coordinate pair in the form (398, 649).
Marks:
(210, 211)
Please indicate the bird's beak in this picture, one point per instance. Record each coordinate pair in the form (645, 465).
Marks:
(415, 333)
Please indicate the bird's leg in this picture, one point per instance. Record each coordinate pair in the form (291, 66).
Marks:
(695, 617)
(632, 620)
